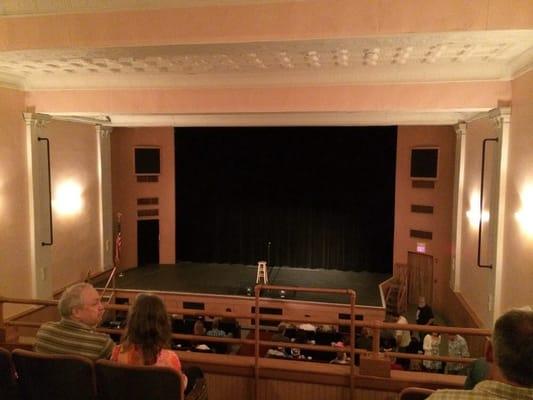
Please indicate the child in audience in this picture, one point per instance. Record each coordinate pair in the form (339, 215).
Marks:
(147, 337)
(432, 348)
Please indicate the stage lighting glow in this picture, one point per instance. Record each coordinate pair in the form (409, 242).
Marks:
(68, 198)
(525, 215)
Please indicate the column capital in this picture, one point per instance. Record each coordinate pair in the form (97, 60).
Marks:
(500, 116)
(36, 120)
(460, 128)
(103, 130)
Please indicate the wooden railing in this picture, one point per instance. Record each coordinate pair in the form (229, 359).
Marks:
(374, 326)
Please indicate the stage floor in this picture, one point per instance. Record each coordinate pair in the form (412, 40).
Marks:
(235, 279)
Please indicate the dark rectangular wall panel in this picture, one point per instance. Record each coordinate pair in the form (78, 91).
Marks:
(148, 213)
(421, 234)
(147, 178)
(423, 184)
(419, 208)
(144, 201)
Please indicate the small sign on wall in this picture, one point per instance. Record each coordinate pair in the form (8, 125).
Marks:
(420, 247)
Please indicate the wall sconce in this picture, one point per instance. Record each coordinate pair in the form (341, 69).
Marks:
(473, 217)
(473, 213)
(68, 199)
(524, 216)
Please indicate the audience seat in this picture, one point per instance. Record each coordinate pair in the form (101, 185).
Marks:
(8, 384)
(415, 393)
(128, 382)
(52, 377)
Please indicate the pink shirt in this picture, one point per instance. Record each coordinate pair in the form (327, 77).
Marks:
(133, 356)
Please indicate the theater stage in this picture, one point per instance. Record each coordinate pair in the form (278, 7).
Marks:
(235, 279)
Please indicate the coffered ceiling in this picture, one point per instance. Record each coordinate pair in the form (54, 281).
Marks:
(402, 58)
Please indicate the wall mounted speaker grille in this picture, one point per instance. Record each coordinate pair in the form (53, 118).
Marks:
(418, 208)
(144, 201)
(421, 234)
(417, 184)
(148, 213)
(147, 178)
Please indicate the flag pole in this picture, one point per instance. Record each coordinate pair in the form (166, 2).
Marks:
(118, 244)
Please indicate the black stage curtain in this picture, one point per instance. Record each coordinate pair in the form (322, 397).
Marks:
(318, 197)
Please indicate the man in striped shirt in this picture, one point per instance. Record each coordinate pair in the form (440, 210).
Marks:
(81, 311)
(511, 353)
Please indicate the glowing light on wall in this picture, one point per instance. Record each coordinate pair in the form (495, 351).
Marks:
(68, 199)
(473, 214)
(525, 215)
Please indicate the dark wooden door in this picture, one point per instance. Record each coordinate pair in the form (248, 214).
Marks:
(420, 277)
(147, 242)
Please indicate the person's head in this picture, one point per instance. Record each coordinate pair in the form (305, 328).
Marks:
(434, 334)
(421, 301)
(81, 303)
(215, 324)
(148, 327)
(512, 346)
(452, 337)
(199, 327)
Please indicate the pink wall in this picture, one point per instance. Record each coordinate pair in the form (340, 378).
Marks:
(518, 246)
(15, 275)
(126, 189)
(335, 98)
(441, 198)
(73, 157)
(268, 21)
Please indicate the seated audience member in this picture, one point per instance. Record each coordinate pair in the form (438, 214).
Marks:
(279, 336)
(510, 354)
(147, 336)
(230, 325)
(424, 316)
(364, 341)
(341, 357)
(457, 347)
(477, 371)
(215, 331)
(198, 328)
(403, 338)
(431, 347)
(424, 313)
(81, 311)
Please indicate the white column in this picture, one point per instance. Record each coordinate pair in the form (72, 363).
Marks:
(39, 205)
(502, 119)
(458, 209)
(103, 141)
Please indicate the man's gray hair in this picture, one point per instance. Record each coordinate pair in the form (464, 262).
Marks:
(71, 298)
(513, 346)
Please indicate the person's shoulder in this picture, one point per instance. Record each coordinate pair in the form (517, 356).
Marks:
(452, 394)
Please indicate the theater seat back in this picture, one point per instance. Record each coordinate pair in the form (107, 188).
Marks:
(52, 377)
(7, 375)
(116, 381)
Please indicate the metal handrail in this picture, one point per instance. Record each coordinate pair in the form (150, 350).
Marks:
(479, 264)
(51, 226)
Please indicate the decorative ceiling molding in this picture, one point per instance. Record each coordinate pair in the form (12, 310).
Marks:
(470, 56)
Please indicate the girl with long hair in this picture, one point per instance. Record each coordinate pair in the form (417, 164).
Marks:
(147, 337)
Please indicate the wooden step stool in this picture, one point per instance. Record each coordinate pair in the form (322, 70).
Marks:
(262, 272)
